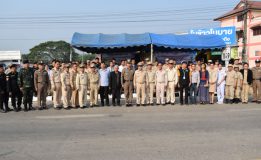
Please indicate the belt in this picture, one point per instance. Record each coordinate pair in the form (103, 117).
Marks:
(57, 82)
(141, 83)
(41, 82)
(256, 79)
(128, 80)
(170, 81)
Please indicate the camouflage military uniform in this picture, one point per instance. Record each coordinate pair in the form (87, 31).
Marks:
(26, 83)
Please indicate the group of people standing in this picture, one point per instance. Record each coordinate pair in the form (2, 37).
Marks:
(73, 84)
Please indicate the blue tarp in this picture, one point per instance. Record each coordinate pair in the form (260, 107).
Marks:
(187, 41)
(110, 40)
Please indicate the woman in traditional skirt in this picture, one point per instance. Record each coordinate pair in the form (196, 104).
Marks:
(212, 82)
(203, 85)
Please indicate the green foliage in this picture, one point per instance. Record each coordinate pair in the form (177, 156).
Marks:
(85, 57)
(50, 50)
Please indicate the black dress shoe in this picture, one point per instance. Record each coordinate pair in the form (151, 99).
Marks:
(137, 105)
(158, 104)
(144, 105)
(2, 111)
(253, 101)
(151, 104)
(173, 104)
(67, 108)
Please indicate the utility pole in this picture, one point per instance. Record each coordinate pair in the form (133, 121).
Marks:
(244, 54)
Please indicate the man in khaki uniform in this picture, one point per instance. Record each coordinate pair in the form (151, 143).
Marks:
(41, 83)
(161, 81)
(151, 83)
(172, 77)
(66, 87)
(94, 80)
(166, 65)
(140, 81)
(75, 95)
(239, 84)
(82, 86)
(127, 81)
(230, 84)
(257, 82)
(56, 85)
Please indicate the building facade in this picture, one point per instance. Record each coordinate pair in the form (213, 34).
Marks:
(235, 18)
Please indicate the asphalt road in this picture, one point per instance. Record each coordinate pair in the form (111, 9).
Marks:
(227, 132)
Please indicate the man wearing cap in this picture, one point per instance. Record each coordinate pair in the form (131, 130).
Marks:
(94, 83)
(26, 85)
(13, 88)
(66, 87)
(172, 82)
(247, 81)
(161, 82)
(127, 82)
(239, 83)
(133, 64)
(151, 83)
(2, 90)
(257, 82)
(140, 81)
(82, 86)
(75, 95)
(184, 81)
(56, 85)
(230, 84)
(41, 84)
(236, 63)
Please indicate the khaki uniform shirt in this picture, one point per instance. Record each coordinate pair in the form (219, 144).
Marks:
(81, 79)
(230, 79)
(56, 76)
(65, 79)
(94, 78)
(41, 77)
(172, 75)
(151, 76)
(127, 75)
(73, 76)
(140, 77)
(256, 73)
(239, 78)
(161, 77)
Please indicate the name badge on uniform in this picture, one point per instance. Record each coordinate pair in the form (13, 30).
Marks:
(184, 77)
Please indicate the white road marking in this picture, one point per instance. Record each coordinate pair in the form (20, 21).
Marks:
(71, 116)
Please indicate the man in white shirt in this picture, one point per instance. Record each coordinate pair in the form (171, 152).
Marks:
(221, 84)
(122, 66)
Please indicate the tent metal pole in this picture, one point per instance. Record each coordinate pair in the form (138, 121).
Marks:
(151, 53)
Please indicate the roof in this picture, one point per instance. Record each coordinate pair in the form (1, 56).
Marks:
(251, 5)
(187, 41)
(10, 55)
(105, 42)
(110, 40)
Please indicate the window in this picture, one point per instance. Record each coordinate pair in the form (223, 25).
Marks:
(240, 18)
(240, 34)
(256, 31)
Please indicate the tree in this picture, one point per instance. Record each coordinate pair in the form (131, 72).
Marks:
(50, 50)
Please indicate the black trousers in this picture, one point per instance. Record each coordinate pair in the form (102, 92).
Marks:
(16, 99)
(116, 94)
(2, 99)
(104, 94)
(182, 89)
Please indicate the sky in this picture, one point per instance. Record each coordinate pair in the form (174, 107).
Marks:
(26, 23)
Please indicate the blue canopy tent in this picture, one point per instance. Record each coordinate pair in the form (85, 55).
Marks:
(109, 43)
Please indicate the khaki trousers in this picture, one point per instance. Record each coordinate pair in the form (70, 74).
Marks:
(94, 88)
(128, 91)
(171, 92)
(75, 98)
(141, 93)
(256, 90)
(41, 94)
(66, 94)
(83, 95)
(245, 91)
(238, 92)
(229, 92)
(160, 89)
(57, 95)
(150, 92)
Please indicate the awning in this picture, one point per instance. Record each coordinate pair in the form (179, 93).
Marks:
(187, 41)
(108, 42)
